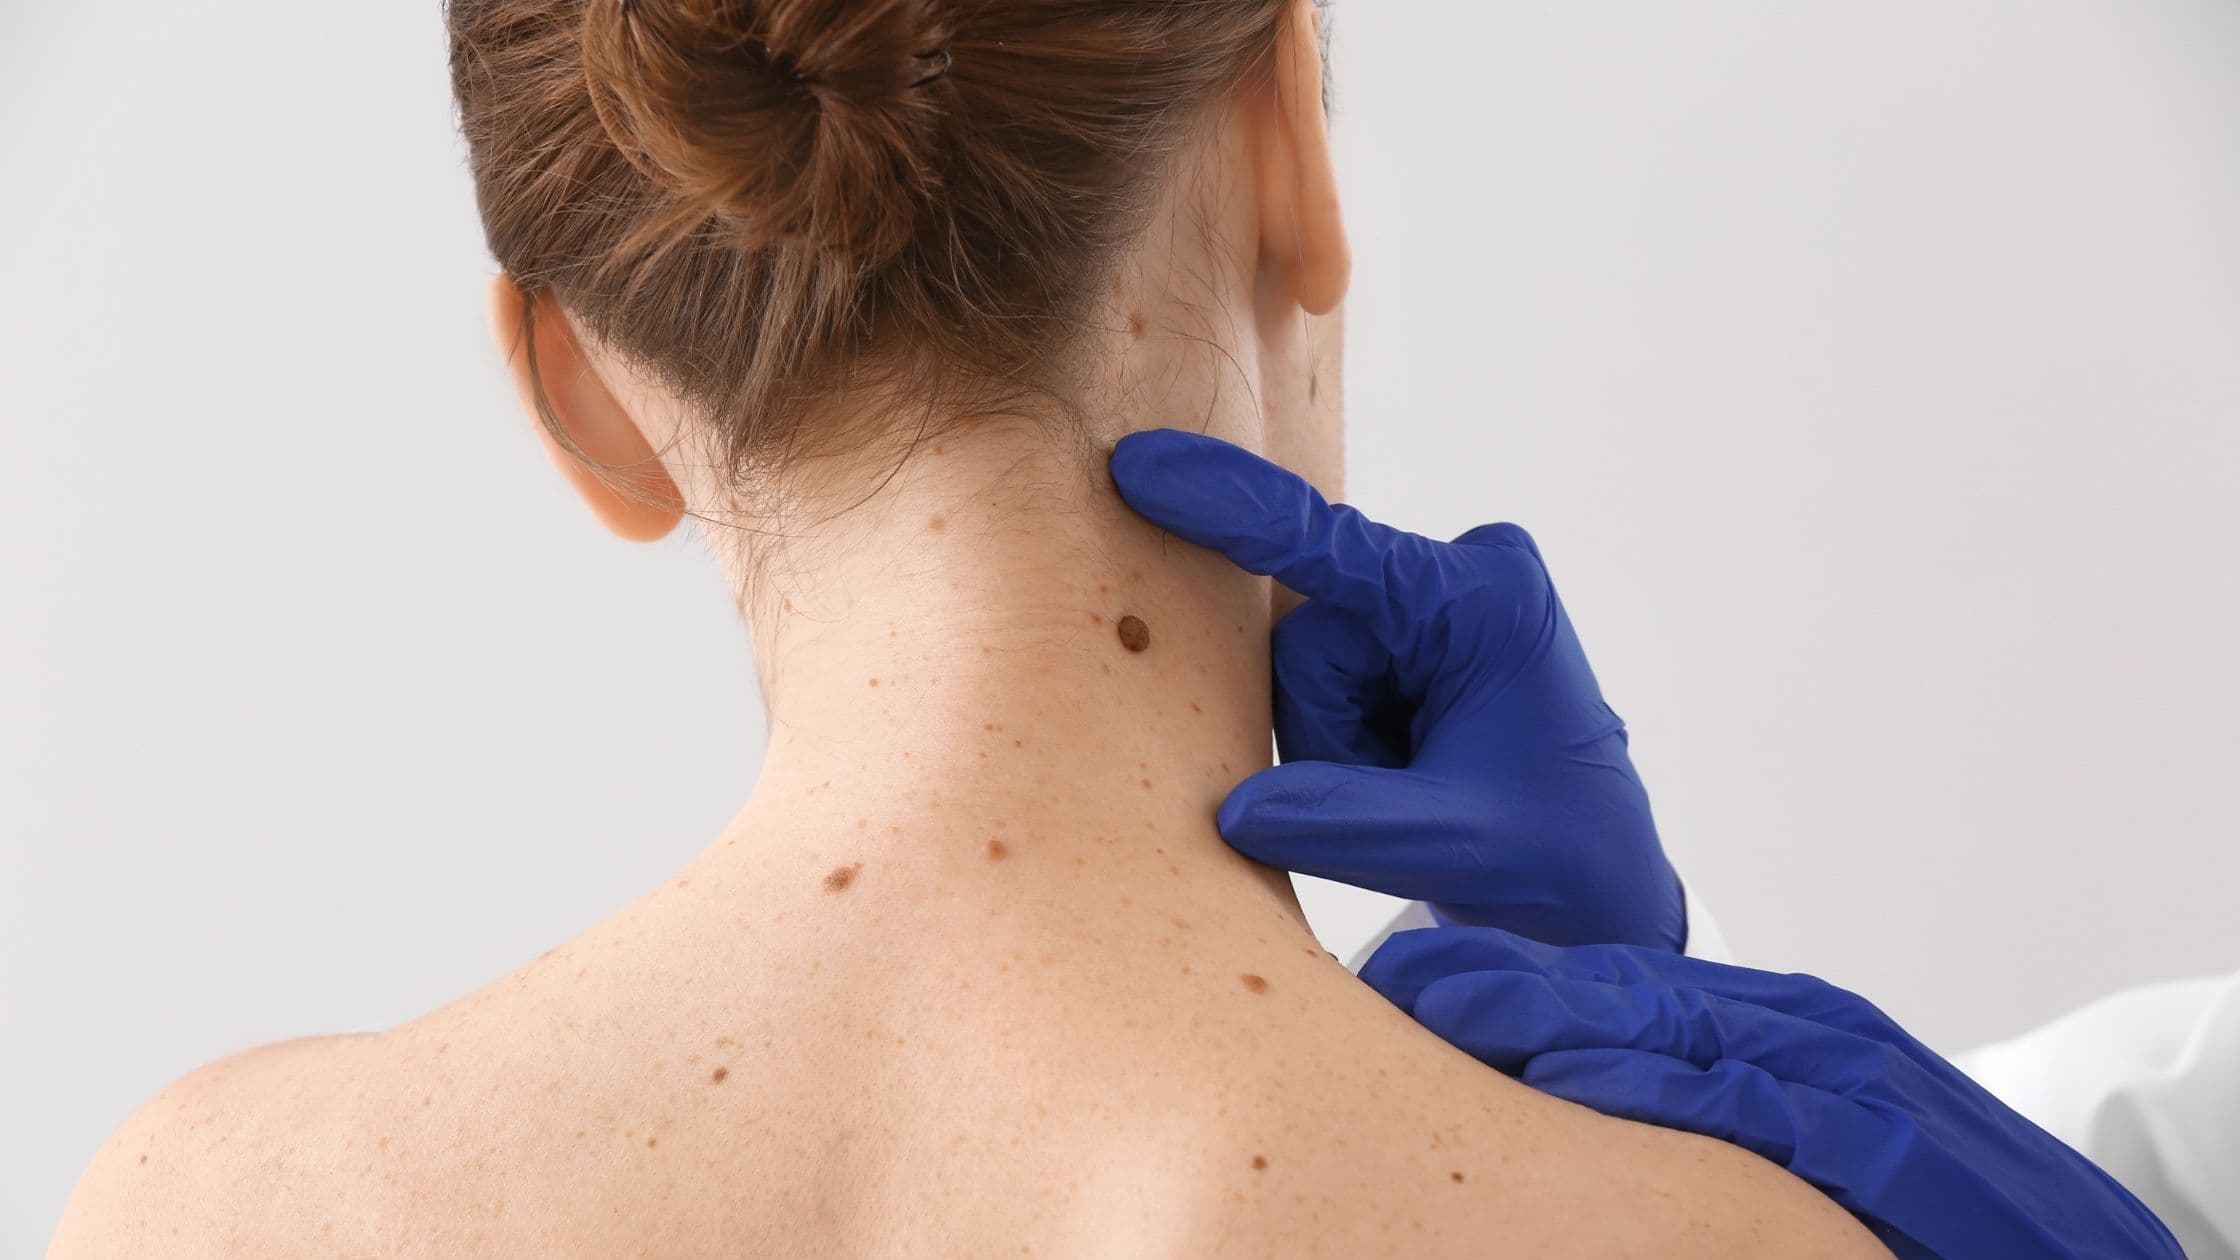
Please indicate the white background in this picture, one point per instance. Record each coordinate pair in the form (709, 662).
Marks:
(1869, 374)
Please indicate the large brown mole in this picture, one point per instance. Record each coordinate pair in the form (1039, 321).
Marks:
(1134, 635)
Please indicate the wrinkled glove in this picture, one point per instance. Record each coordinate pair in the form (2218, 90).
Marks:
(1799, 1071)
(1442, 737)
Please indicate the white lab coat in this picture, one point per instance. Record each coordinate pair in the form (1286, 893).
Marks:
(2145, 1083)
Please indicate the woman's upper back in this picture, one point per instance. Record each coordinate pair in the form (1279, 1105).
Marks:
(682, 1083)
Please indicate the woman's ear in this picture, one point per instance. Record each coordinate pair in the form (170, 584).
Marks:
(1303, 232)
(633, 496)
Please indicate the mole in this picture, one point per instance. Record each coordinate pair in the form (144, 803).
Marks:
(998, 850)
(1259, 1162)
(1255, 983)
(1134, 635)
(718, 1075)
(841, 877)
(1456, 1176)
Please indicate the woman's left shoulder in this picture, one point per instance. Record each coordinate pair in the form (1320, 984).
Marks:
(185, 1171)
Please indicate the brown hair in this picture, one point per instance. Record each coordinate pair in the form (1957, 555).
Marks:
(764, 202)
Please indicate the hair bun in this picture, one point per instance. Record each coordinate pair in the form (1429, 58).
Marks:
(806, 121)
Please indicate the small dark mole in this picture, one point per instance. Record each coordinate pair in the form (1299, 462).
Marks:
(1457, 1177)
(718, 1075)
(1259, 1161)
(998, 850)
(841, 877)
(1255, 983)
(1134, 635)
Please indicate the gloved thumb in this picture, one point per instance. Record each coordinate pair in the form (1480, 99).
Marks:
(1393, 831)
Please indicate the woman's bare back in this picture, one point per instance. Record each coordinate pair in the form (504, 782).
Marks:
(836, 1068)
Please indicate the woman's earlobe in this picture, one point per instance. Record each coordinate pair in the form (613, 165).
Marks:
(630, 492)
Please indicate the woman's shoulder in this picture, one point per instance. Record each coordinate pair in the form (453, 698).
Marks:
(195, 1169)
(1409, 1146)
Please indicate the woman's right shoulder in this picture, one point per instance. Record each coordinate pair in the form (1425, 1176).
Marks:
(1406, 1135)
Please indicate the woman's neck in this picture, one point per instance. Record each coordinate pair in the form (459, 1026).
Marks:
(993, 682)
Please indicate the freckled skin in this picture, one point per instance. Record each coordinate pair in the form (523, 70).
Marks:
(1134, 635)
(998, 850)
(841, 877)
(1253, 983)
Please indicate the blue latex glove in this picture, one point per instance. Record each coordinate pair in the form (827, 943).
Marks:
(1799, 1071)
(1441, 735)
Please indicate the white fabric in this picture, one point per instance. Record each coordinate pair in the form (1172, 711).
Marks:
(2146, 1084)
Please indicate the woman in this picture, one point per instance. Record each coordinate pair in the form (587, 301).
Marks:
(867, 287)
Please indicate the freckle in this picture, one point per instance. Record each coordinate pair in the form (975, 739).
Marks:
(873, 681)
(1136, 325)
(998, 850)
(143, 1159)
(427, 1099)
(1455, 1177)
(940, 448)
(1224, 765)
(1194, 708)
(786, 603)
(1096, 619)
(651, 1141)
(1146, 784)
(1240, 627)
(841, 877)
(1018, 743)
(1103, 589)
(1184, 924)
(1172, 869)
(1314, 386)
(1254, 983)
(1134, 635)
(1259, 1162)
(938, 523)
(718, 1075)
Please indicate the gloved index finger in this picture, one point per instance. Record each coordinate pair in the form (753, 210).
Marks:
(1266, 519)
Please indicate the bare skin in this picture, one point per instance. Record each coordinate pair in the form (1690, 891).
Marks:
(971, 972)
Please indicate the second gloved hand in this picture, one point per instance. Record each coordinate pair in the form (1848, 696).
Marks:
(1442, 737)
(1807, 1075)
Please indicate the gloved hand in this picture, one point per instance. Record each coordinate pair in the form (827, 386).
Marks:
(1442, 738)
(1799, 1071)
